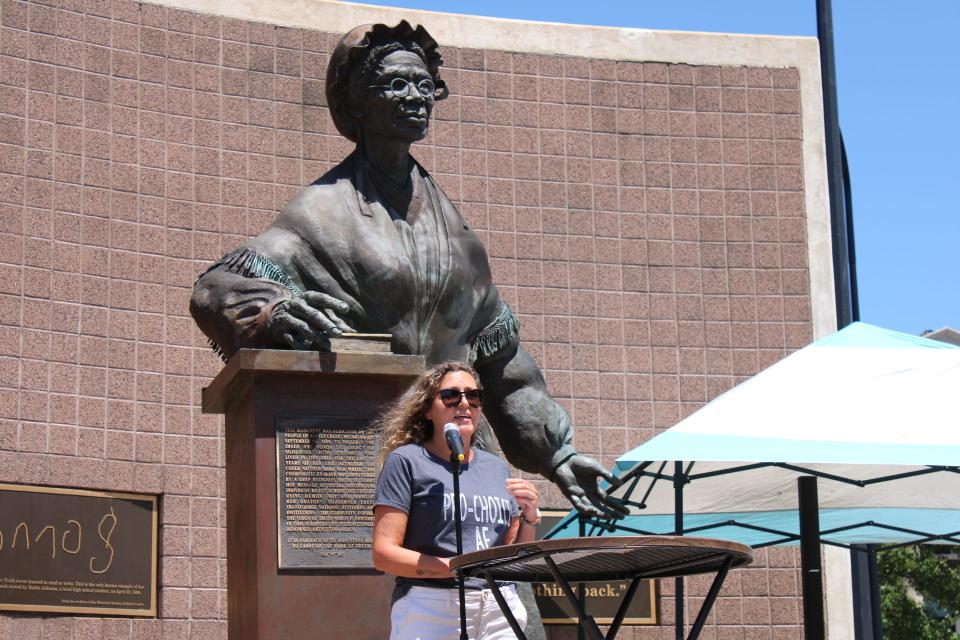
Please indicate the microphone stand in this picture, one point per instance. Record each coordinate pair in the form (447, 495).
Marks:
(458, 528)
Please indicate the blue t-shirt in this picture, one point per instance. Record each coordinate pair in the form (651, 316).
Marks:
(421, 485)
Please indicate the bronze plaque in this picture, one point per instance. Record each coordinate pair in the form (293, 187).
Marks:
(326, 475)
(77, 551)
(602, 598)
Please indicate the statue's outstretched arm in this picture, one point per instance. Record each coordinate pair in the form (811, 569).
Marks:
(535, 432)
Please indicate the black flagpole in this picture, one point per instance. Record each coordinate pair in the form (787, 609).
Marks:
(841, 219)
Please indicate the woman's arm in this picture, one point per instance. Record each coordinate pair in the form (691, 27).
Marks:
(511, 535)
(389, 555)
(520, 531)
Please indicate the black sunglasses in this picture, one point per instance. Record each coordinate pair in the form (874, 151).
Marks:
(451, 397)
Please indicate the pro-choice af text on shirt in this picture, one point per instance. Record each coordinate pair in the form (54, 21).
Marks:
(421, 484)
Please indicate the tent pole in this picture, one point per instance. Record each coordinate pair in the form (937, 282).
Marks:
(862, 603)
(678, 482)
(810, 565)
(874, 573)
(866, 593)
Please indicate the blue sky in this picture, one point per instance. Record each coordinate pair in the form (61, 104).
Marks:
(899, 100)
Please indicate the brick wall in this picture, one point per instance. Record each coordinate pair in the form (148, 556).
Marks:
(645, 220)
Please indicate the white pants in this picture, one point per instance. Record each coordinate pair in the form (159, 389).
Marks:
(434, 614)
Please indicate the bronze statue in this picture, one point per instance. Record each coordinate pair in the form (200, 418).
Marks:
(375, 246)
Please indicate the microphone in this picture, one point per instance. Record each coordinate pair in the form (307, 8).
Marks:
(454, 441)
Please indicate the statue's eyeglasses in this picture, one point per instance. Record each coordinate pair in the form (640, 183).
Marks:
(451, 397)
(400, 87)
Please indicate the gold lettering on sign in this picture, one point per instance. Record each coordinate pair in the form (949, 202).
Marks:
(24, 528)
(53, 539)
(327, 487)
(63, 538)
(106, 540)
(26, 535)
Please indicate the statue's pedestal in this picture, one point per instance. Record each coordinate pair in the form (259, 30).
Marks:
(295, 569)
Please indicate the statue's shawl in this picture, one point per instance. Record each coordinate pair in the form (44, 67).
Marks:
(423, 277)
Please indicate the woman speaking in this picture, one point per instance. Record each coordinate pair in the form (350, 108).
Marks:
(414, 534)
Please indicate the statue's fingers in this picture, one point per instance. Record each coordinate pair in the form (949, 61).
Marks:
(289, 340)
(316, 319)
(602, 502)
(583, 506)
(611, 502)
(294, 340)
(338, 321)
(301, 335)
(621, 510)
(296, 326)
(325, 301)
(575, 493)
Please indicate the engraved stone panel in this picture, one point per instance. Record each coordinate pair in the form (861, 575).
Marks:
(326, 473)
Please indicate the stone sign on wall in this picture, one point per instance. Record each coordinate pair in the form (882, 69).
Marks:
(76, 551)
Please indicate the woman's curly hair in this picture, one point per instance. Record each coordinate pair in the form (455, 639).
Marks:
(405, 420)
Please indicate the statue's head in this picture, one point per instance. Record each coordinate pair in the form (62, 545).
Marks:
(384, 81)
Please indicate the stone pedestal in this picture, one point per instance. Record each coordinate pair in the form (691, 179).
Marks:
(322, 591)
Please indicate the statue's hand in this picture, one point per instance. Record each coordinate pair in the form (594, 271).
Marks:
(578, 479)
(302, 323)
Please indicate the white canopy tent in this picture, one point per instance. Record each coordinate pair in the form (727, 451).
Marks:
(872, 414)
(859, 409)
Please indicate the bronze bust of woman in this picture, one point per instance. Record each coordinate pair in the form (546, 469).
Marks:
(375, 246)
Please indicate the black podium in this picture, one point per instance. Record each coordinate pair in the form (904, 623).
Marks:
(631, 558)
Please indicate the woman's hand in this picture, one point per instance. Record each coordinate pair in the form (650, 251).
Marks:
(526, 495)
(303, 323)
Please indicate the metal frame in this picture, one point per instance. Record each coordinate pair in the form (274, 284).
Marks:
(683, 475)
(585, 622)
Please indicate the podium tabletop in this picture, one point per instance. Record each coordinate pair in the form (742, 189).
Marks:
(604, 558)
